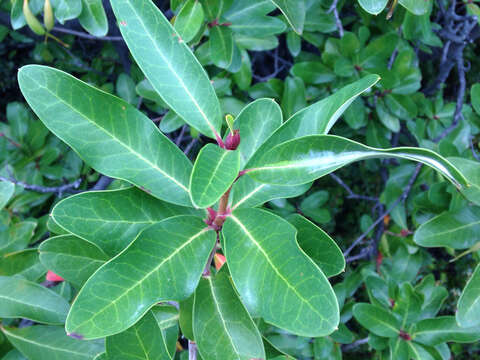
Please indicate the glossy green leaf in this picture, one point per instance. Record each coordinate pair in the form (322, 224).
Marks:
(72, 258)
(318, 245)
(415, 6)
(468, 313)
(249, 17)
(317, 118)
(294, 11)
(66, 9)
(112, 219)
(189, 20)
(471, 170)
(117, 139)
(264, 258)
(247, 192)
(51, 343)
(398, 349)
(458, 229)
(444, 329)
(305, 159)
(6, 191)
(142, 341)
(433, 295)
(186, 317)
(421, 352)
(408, 304)
(169, 64)
(222, 327)
(376, 319)
(16, 237)
(313, 72)
(26, 299)
(221, 46)
(14, 355)
(294, 96)
(374, 7)
(24, 263)
(253, 132)
(93, 17)
(214, 172)
(163, 263)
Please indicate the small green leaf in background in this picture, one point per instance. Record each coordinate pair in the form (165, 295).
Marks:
(318, 245)
(415, 6)
(72, 258)
(146, 272)
(468, 313)
(51, 343)
(214, 172)
(126, 89)
(93, 17)
(374, 7)
(376, 319)
(6, 191)
(221, 46)
(444, 329)
(222, 326)
(66, 9)
(169, 64)
(458, 229)
(26, 299)
(475, 97)
(294, 11)
(189, 20)
(144, 340)
(292, 294)
(471, 170)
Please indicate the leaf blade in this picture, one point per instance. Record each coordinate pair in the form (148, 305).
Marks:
(149, 36)
(469, 302)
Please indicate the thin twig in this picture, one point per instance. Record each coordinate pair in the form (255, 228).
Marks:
(355, 344)
(399, 200)
(85, 35)
(338, 22)
(45, 189)
(351, 194)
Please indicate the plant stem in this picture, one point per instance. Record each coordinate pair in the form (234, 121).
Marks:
(222, 208)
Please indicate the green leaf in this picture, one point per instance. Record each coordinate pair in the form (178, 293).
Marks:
(221, 46)
(93, 17)
(253, 132)
(164, 263)
(433, 295)
(51, 343)
(189, 20)
(415, 6)
(444, 329)
(475, 97)
(169, 64)
(408, 304)
(186, 317)
(142, 341)
(318, 245)
(247, 192)
(26, 299)
(16, 237)
(458, 229)
(14, 355)
(6, 191)
(125, 87)
(421, 352)
(317, 118)
(294, 11)
(249, 17)
(374, 7)
(167, 319)
(376, 319)
(123, 212)
(66, 9)
(471, 170)
(222, 327)
(398, 349)
(275, 279)
(305, 159)
(313, 72)
(294, 96)
(214, 172)
(116, 139)
(24, 263)
(468, 311)
(72, 258)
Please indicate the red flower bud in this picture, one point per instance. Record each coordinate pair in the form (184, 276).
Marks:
(51, 276)
(233, 140)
